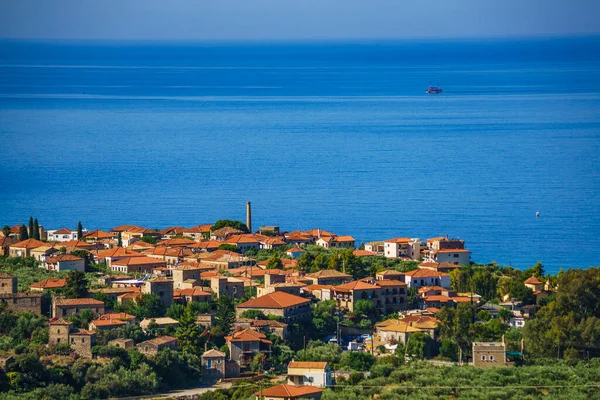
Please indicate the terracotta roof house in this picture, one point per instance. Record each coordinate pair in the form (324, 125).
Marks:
(336, 242)
(282, 304)
(309, 373)
(72, 245)
(61, 235)
(136, 264)
(192, 294)
(244, 345)
(439, 267)
(99, 235)
(425, 277)
(223, 233)
(329, 277)
(64, 262)
(176, 242)
(197, 232)
(289, 392)
(400, 329)
(206, 245)
(24, 247)
(244, 242)
(48, 284)
(402, 248)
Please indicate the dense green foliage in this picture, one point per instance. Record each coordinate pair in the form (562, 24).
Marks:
(222, 223)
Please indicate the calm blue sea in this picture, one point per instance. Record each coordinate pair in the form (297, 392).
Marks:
(333, 135)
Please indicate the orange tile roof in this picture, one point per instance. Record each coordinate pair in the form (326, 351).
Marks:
(98, 234)
(140, 245)
(246, 238)
(139, 261)
(440, 298)
(288, 391)
(343, 239)
(63, 257)
(355, 285)
(423, 273)
(191, 292)
(248, 335)
(391, 272)
(28, 244)
(108, 322)
(296, 249)
(63, 231)
(363, 253)
(328, 273)
(79, 302)
(451, 251)
(389, 282)
(533, 281)
(120, 316)
(206, 244)
(176, 242)
(275, 300)
(398, 240)
(308, 364)
(172, 230)
(77, 243)
(123, 228)
(204, 228)
(118, 252)
(50, 283)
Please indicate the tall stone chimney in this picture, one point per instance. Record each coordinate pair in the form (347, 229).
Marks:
(249, 216)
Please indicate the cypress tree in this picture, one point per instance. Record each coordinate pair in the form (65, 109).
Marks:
(36, 229)
(30, 230)
(23, 232)
(6, 230)
(119, 240)
(79, 230)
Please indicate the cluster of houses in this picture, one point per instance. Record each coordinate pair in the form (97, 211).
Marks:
(187, 264)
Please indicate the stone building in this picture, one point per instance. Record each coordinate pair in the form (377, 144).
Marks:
(68, 307)
(153, 346)
(288, 306)
(489, 354)
(18, 302)
(230, 286)
(184, 273)
(246, 344)
(80, 340)
(8, 283)
(123, 343)
(162, 287)
(213, 366)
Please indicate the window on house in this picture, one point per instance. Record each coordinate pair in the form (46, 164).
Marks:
(82, 340)
(58, 340)
(491, 358)
(456, 256)
(72, 340)
(482, 358)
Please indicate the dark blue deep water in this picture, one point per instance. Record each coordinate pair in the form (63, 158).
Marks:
(335, 135)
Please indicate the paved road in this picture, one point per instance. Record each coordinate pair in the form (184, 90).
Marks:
(186, 392)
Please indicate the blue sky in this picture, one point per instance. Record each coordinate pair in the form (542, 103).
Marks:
(297, 19)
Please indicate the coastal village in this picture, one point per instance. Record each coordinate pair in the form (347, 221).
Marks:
(375, 312)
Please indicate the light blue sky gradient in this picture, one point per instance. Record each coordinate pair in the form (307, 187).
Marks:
(297, 19)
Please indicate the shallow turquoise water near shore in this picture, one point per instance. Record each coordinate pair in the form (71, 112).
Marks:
(337, 136)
